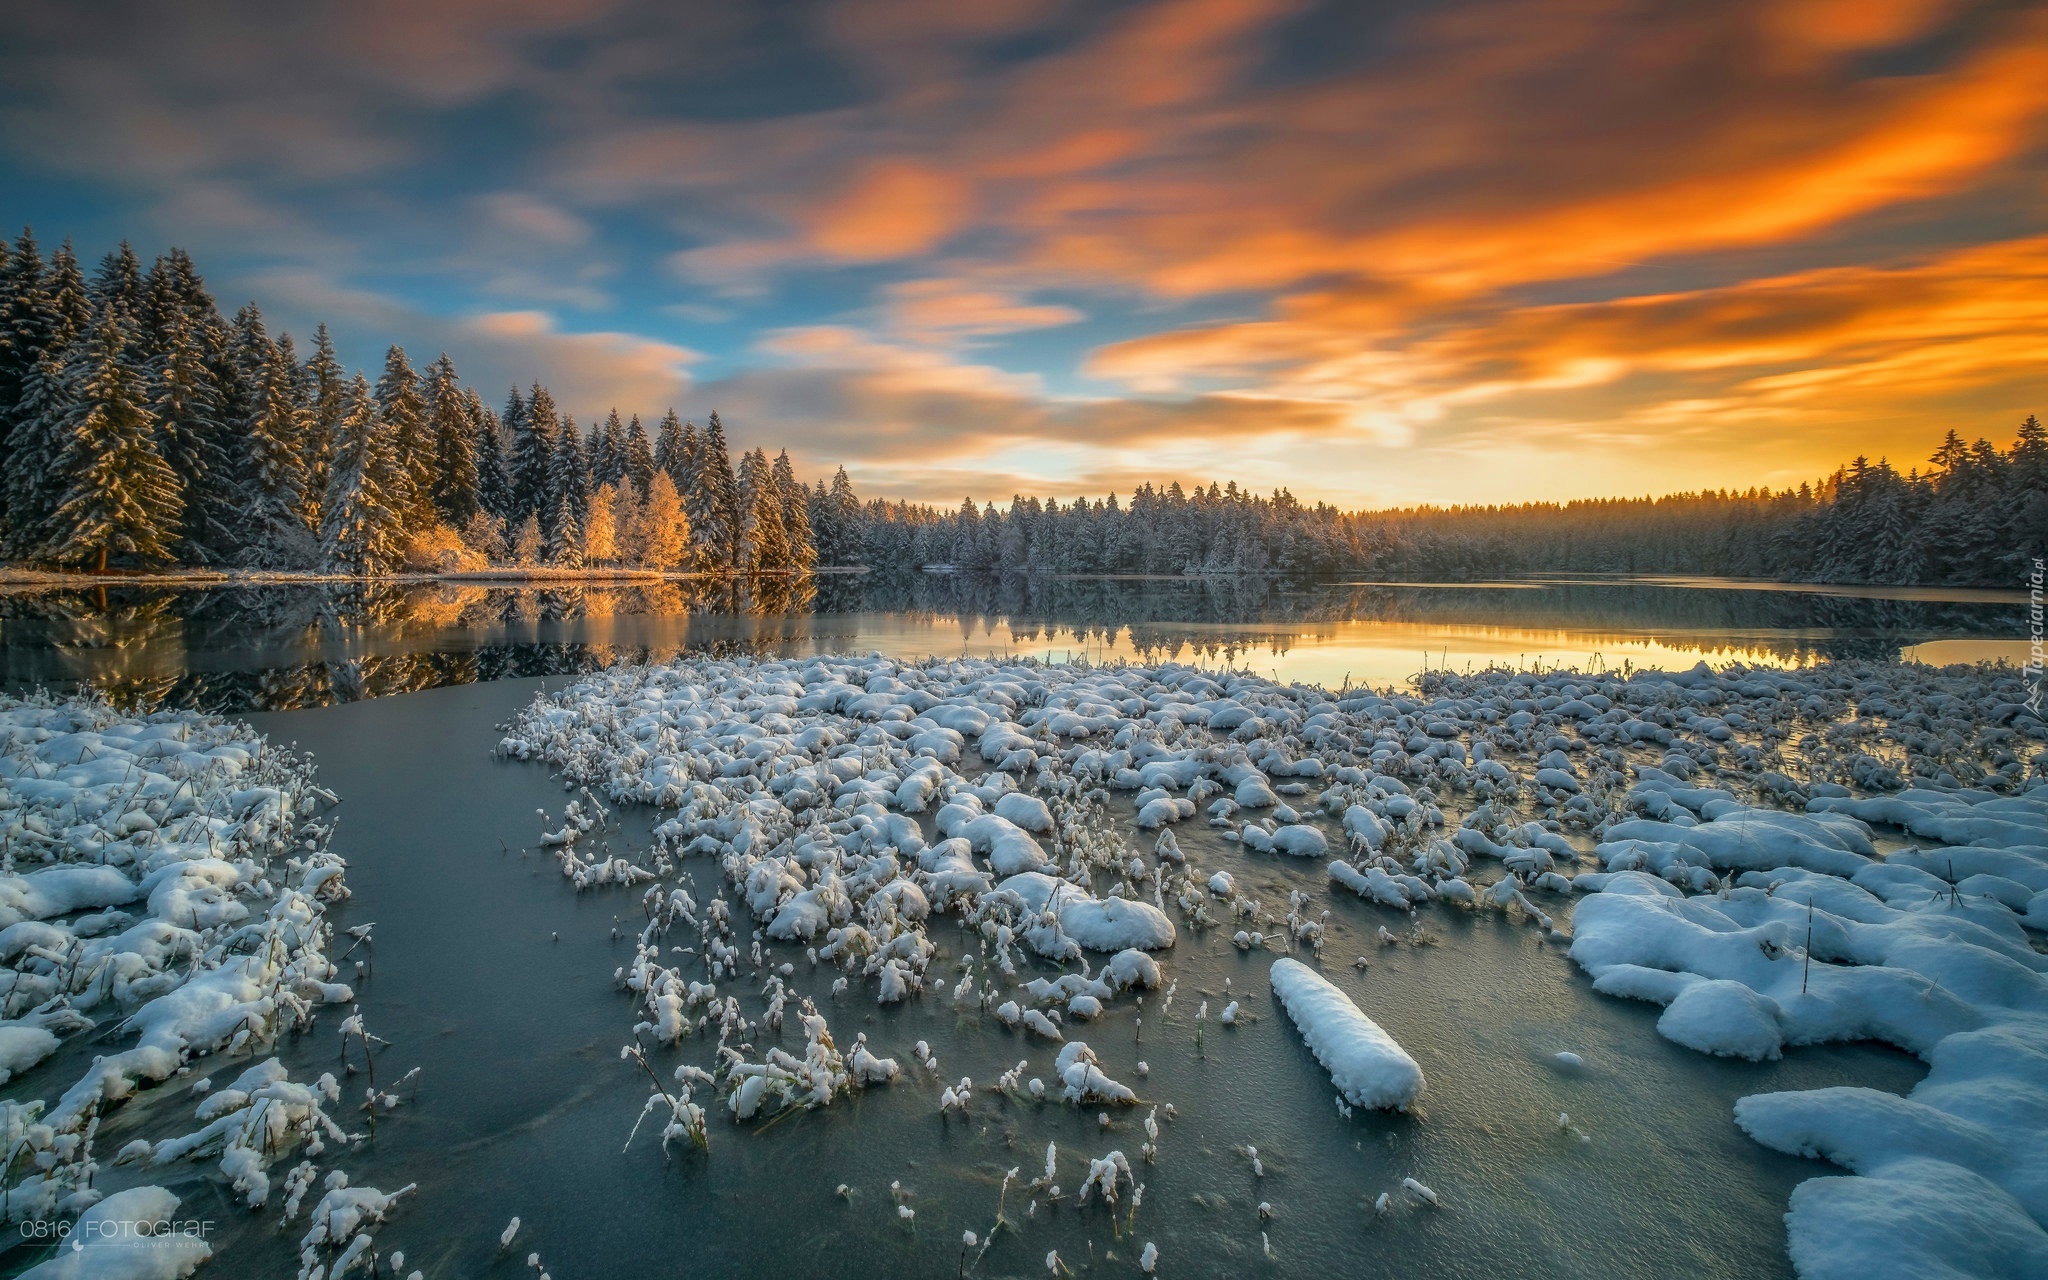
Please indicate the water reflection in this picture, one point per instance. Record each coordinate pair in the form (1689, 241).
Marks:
(277, 647)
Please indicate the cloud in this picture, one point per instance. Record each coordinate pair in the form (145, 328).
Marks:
(942, 311)
(1471, 235)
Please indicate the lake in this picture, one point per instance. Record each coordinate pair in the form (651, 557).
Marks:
(240, 648)
(495, 978)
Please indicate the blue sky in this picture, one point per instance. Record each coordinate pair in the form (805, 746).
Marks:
(1476, 251)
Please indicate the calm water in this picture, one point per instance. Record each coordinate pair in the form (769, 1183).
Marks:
(525, 1105)
(278, 647)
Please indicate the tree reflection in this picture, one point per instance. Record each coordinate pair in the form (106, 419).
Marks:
(276, 647)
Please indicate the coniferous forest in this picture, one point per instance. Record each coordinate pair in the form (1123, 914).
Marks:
(140, 428)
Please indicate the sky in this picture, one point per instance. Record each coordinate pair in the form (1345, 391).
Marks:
(1377, 253)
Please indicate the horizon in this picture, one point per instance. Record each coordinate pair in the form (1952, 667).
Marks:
(1019, 249)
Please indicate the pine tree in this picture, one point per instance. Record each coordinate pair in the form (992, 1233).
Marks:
(191, 436)
(608, 452)
(563, 546)
(453, 429)
(668, 449)
(533, 447)
(639, 457)
(24, 322)
(845, 541)
(70, 310)
(116, 289)
(24, 316)
(404, 409)
(361, 527)
(568, 489)
(717, 515)
(269, 423)
(493, 477)
(120, 498)
(326, 388)
(763, 542)
(42, 426)
(796, 517)
(47, 396)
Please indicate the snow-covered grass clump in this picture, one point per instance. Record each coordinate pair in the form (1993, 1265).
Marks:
(1367, 1066)
(1778, 857)
(164, 881)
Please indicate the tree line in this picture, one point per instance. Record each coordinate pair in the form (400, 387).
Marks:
(139, 426)
(1977, 515)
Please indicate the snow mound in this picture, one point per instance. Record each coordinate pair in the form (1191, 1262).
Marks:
(1367, 1066)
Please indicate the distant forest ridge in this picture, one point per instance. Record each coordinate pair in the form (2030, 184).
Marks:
(140, 427)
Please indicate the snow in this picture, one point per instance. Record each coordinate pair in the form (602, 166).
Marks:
(1367, 1066)
(1690, 827)
(165, 891)
(131, 1235)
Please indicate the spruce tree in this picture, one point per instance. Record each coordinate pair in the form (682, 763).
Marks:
(24, 325)
(533, 447)
(563, 544)
(568, 496)
(796, 515)
(449, 418)
(608, 452)
(44, 406)
(668, 449)
(493, 480)
(846, 515)
(361, 528)
(763, 543)
(722, 497)
(639, 457)
(404, 410)
(117, 289)
(120, 498)
(269, 422)
(326, 402)
(600, 529)
(191, 438)
(70, 310)
(42, 426)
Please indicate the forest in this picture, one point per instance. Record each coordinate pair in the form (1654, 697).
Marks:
(140, 428)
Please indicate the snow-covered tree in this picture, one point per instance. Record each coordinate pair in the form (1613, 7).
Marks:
(326, 388)
(449, 423)
(192, 439)
(532, 452)
(795, 513)
(361, 529)
(639, 457)
(119, 496)
(494, 491)
(403, 406)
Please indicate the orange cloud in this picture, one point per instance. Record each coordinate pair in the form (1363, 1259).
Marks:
(945, 310)
(891, 209)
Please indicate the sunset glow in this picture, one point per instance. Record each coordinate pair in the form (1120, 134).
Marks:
(1489, 251)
